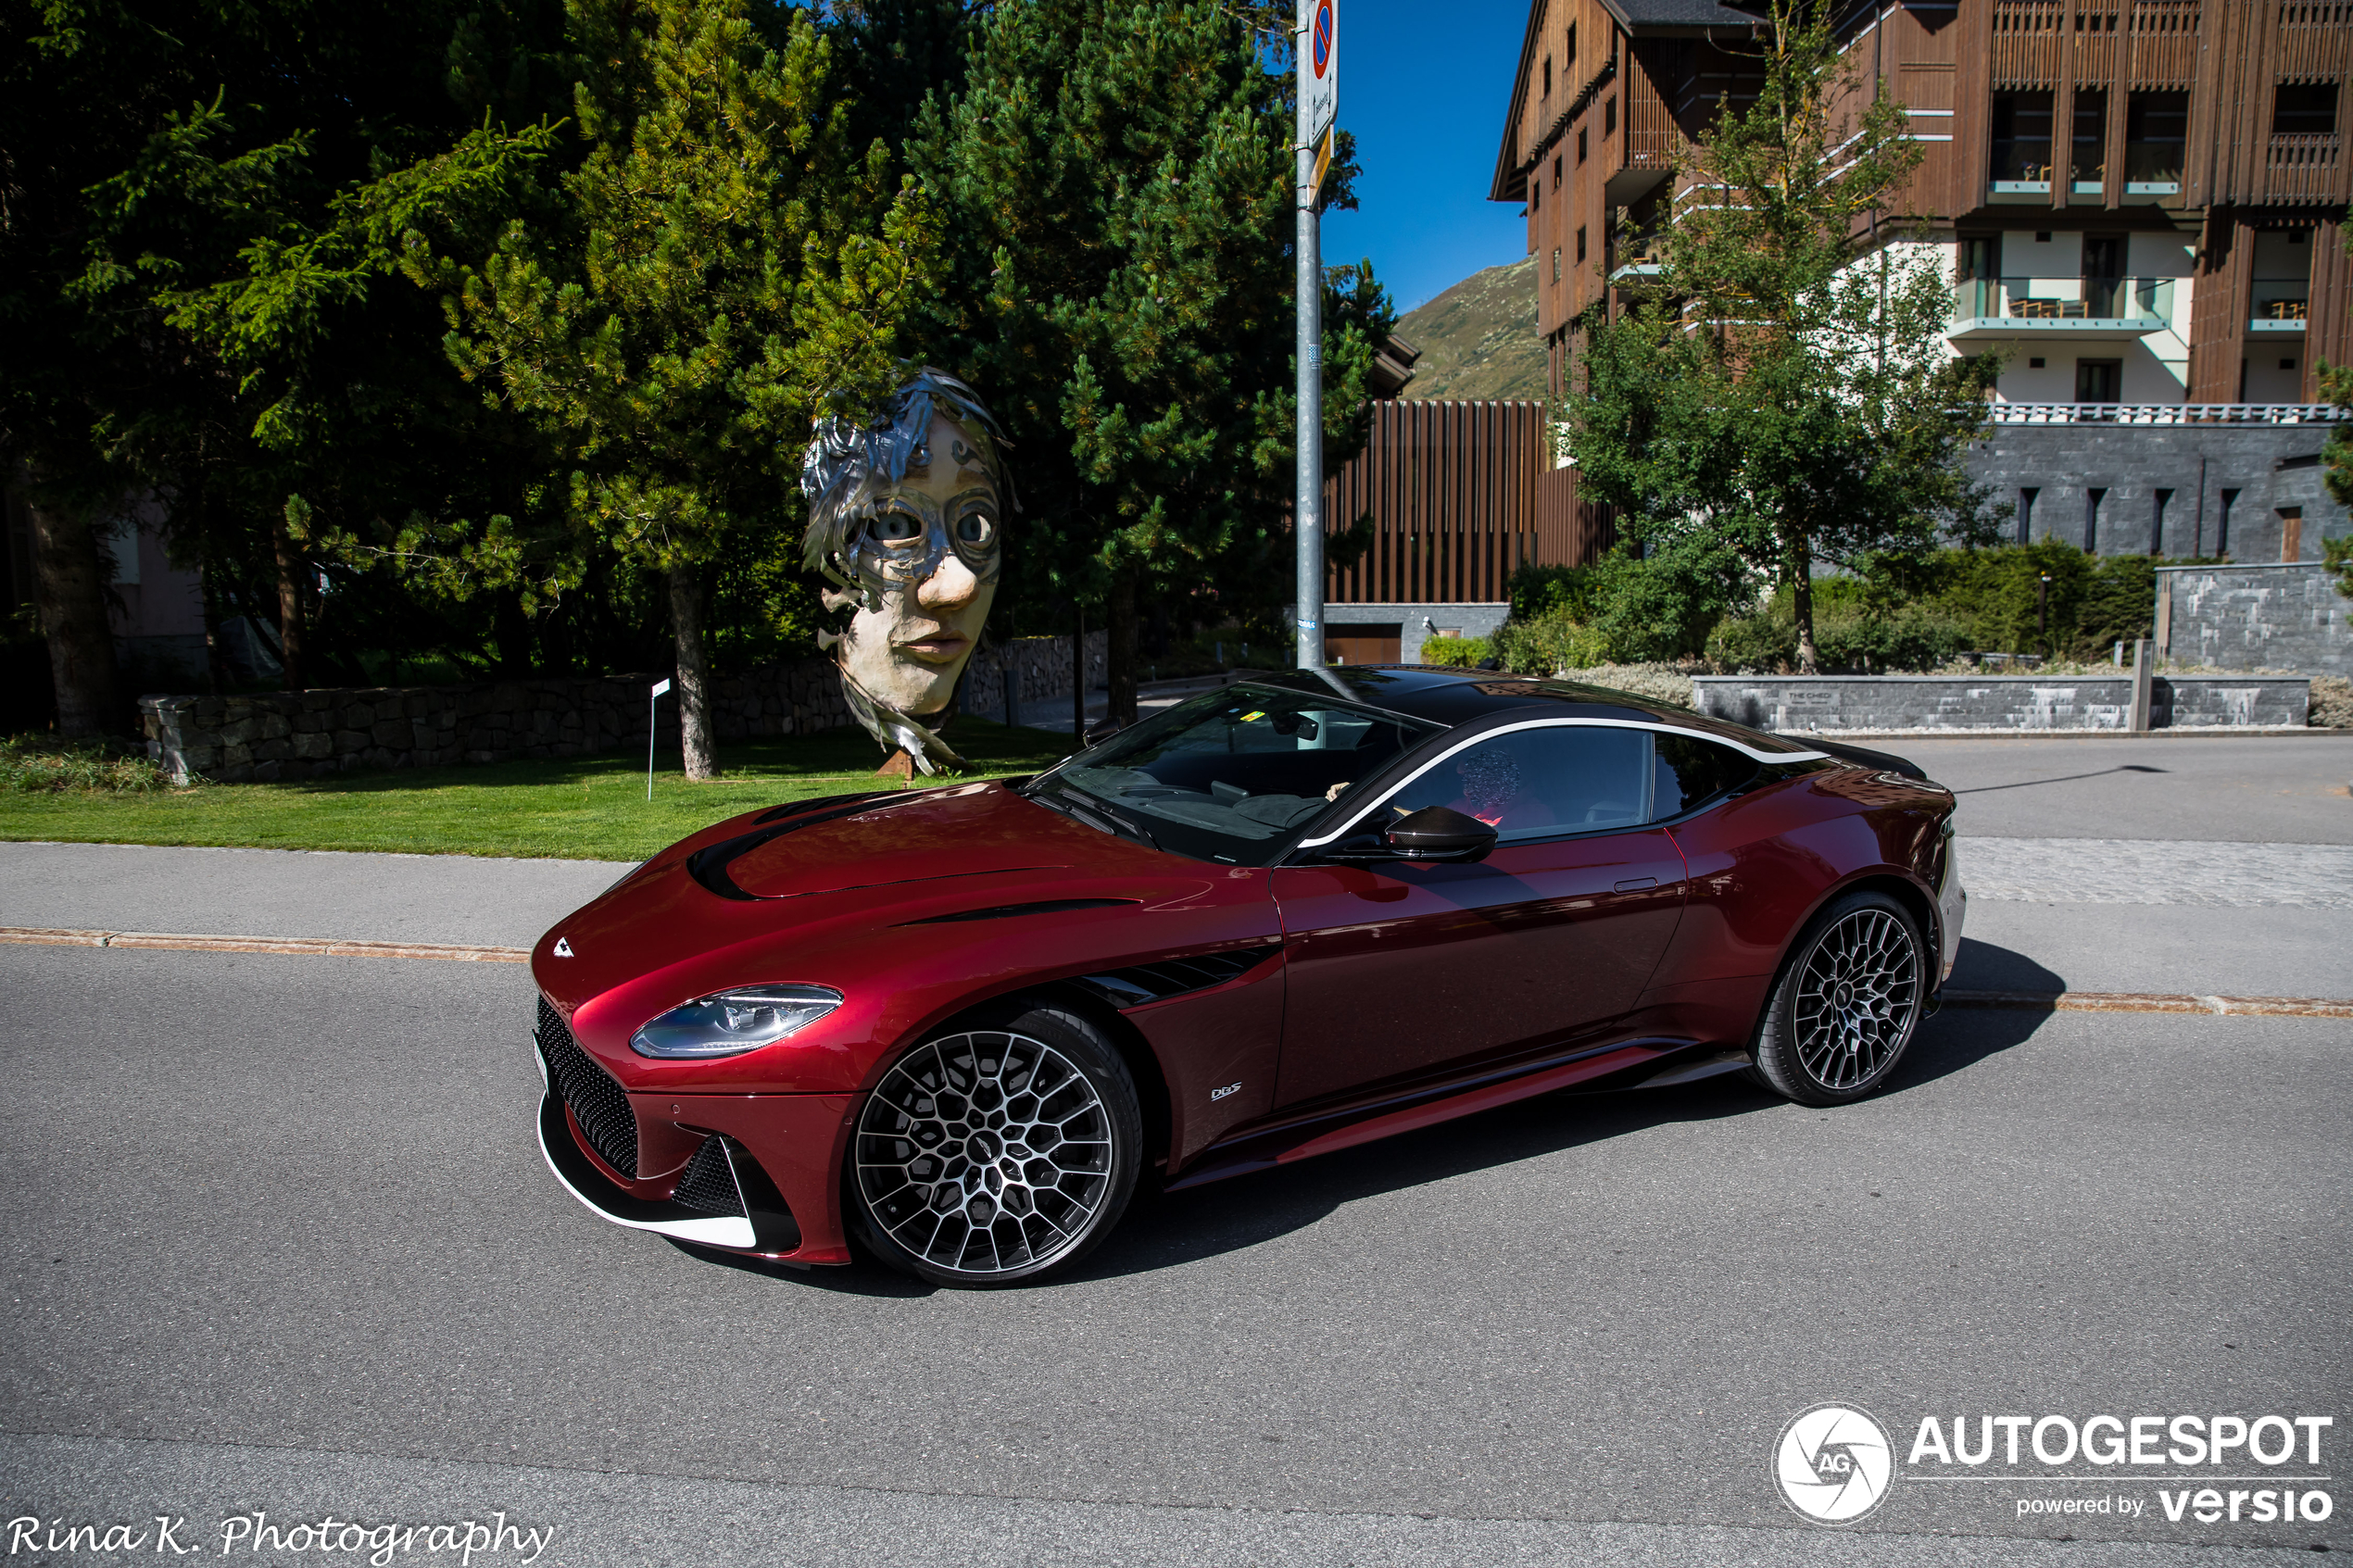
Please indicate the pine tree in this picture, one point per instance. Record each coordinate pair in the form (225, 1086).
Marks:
(730, 260)
(1780, 401)
(1117, 180)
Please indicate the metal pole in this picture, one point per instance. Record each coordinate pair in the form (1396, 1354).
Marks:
(1307, 502)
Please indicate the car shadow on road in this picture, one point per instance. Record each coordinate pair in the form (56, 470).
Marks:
(1165, 1231)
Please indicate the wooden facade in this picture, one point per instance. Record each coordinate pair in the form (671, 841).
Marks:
(2215, 122)
(1460, 495)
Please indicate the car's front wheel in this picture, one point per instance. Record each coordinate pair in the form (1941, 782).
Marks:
(1846, 1003)
(997, 1152)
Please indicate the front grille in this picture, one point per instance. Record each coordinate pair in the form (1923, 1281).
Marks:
(708, 1184)
(596, 1101)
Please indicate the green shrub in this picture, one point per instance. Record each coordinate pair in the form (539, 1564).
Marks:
(1537, 591)
(1555, 641)
(1467, 653)
(1852, 634)
(1763, 644)
(42, 764)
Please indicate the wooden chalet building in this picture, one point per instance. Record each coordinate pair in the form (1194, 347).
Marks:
(2138, 202)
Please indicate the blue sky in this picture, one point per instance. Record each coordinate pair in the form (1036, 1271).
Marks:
(1424, 87)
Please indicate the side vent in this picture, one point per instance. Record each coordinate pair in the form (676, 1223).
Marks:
(1174, 977)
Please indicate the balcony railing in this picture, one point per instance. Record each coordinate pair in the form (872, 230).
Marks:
(2028, 306)
(2163, 413)
(2303, 164)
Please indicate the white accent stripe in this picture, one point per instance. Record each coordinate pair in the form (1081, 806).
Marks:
(1560, 724)
(720, 1230)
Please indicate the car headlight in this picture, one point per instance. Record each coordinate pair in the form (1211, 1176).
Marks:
(730, 1023)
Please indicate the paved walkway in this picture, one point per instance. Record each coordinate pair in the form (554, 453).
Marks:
(2158, 872)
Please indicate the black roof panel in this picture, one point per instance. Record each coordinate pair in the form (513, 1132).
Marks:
(1452, 696)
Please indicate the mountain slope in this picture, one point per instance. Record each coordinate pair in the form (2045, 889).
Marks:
(1478, 338)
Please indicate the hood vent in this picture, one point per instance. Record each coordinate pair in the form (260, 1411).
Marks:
(1044, 906)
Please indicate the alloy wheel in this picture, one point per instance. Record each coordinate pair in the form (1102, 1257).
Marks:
(1856, 999)
(986, 1153)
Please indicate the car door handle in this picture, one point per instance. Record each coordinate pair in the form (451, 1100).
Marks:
(1636, 883)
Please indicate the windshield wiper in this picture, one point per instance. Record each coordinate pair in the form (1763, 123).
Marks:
(1079, 800)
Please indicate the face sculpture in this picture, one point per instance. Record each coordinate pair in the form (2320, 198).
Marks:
(905, 517)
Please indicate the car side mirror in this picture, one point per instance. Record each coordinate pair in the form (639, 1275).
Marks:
(1433, 834)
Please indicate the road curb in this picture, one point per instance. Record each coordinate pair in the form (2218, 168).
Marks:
(290, 946)
(2152, 1001)
(331, 947)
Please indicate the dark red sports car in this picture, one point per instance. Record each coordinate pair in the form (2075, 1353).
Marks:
(961, 1025)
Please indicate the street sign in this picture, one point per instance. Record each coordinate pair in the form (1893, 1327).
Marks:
(1319, 73)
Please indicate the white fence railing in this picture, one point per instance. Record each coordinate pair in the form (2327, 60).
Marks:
(2164, 413)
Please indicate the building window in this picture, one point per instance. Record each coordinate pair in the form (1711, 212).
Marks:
(1609, 118)
(1557, 264)
(2157, 127)
(2036, 363)
(1535, 195)
(2304, 109)
(1572, 44)
(1557, 173)
(1581, 145)
(2223, 527)
(2095, 380)
(1548, 76)
(2091, 499)
(2291, 534)
(2157, 523)
(2021, 138)
(2026, 512)
(2088, 165)
(2104, 280)
(1581, 244)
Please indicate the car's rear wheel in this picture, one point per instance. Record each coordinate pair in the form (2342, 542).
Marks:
(997, 1152)
(1846, 1003)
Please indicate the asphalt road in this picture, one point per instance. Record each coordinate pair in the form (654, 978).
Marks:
(281, 1242)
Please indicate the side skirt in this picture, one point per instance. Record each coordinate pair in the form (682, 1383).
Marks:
(1264, 1148)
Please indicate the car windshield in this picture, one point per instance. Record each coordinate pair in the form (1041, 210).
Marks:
(1232, 775)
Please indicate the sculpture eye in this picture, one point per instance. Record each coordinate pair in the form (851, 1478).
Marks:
(978, 529)
(896, 528)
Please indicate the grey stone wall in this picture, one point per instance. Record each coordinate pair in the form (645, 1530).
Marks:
(1043, 666)
(2269, 466)
(2257, 617)
(1834, 703)
(1418, 621)
(271, 735)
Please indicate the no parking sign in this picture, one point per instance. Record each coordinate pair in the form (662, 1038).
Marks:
(1319, 78)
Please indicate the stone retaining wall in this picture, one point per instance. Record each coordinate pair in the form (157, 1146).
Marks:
(1832, 703)
(267, 735)
(2255, 616)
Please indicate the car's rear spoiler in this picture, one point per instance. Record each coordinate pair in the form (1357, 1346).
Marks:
(1885, 760)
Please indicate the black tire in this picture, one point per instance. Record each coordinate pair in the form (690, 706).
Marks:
(998, 1152)
(1846, 1003)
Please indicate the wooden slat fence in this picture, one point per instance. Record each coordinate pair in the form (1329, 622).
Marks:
(1461, 493)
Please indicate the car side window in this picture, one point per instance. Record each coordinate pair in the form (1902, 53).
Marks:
(1689, 773)
(1534, 783)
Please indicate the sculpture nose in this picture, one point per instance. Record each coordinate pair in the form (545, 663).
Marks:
(949, 589)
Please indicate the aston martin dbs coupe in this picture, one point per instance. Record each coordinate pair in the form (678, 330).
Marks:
(958, 1026)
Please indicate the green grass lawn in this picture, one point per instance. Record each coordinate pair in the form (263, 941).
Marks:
(579, 807)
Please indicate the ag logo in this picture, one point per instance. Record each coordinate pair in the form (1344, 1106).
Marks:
(1833, 1464)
